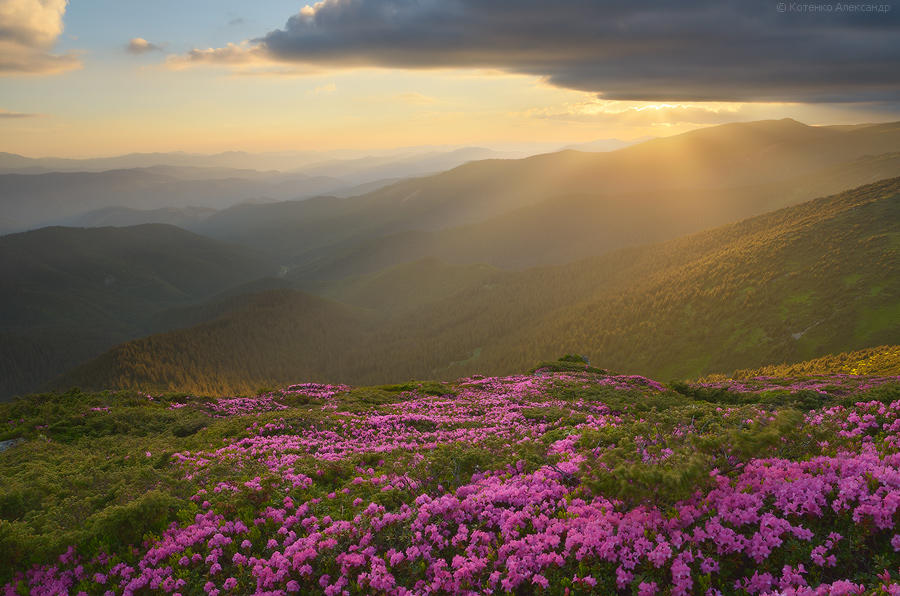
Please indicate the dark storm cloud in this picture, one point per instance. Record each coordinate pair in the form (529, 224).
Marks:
(630, 49)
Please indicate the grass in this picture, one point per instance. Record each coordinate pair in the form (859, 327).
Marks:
(872, 321)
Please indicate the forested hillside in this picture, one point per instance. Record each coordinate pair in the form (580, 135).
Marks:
(804, 281)
(817, 278)
(407, 287)
(242, 350)
(68, 294)
(880, 360)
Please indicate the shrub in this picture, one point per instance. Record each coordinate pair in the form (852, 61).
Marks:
(121, 525)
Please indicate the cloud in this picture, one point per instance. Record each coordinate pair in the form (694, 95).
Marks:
(645, 114)
(656, 50)
(416, 98)
(231, 55)
(139, 45)
(28, 31)
(325, 89)
(237, 21)
(263, 69)
(6, 114)
(245, 59)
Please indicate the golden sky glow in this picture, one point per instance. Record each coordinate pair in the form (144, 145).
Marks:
(99, 93)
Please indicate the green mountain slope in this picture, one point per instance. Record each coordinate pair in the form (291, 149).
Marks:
(408, 286)
(67, 294)
(277, 335)
(817, 278)
(804, 281)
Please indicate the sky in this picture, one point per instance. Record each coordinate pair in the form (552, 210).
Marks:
(104, 77)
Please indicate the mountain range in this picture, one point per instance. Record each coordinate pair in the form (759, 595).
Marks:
(485, 267)
(803, 281)
(563, 206)
(151, 188)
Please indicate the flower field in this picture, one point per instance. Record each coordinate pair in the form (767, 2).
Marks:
(556, 482)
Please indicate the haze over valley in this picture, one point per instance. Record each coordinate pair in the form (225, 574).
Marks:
(393, 263)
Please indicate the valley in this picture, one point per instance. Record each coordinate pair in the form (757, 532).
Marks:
(404, 298)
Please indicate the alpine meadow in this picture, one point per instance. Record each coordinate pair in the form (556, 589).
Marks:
(451, 297)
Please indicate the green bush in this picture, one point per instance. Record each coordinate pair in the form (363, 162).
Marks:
(575, 358)
(421, 387)
(366, 398)
(554, 414)
(189, 426)
(121, 525)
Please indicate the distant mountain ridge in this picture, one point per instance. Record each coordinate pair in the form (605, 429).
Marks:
(425, 158)
(32, 200)
(689, 182)
(32, 194)
(731, 157)
(183, 217)
(594, 202)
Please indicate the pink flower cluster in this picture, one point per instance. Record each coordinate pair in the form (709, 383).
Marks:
(773, 526)
(236, 406)
(485, 409)
(314, 390)
(508, 530)
(836, 384)
(267, 402)
(865, 423)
